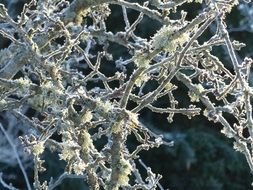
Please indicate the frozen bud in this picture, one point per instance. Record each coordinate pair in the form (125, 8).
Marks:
(211, 115)
(193, 97)
(227, 132)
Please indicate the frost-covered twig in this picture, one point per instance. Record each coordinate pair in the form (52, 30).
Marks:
(7, 186)
(17, 157)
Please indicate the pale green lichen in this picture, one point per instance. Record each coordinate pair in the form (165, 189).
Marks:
(70, 150)
(107, 106)
(133, 119)
(141, 79)
(124, 172)
(39, 102)
(80, 15)
(193, 96)
(38, 148)
(76, 14)
(169, 86)
(231, 5)
(24, 86)
(87, 116)
(164, 39)
(66, 135)
(103, 107)
(240, 146)
(79, 167)
(205, 112)
(116, 127)
(141, 59)
(48, 86)
(86, 140)
(200, 88)
(47, 98)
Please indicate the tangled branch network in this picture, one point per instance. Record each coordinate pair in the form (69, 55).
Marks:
(56, 64)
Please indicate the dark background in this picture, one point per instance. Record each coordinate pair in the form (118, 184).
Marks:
(202, 158)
